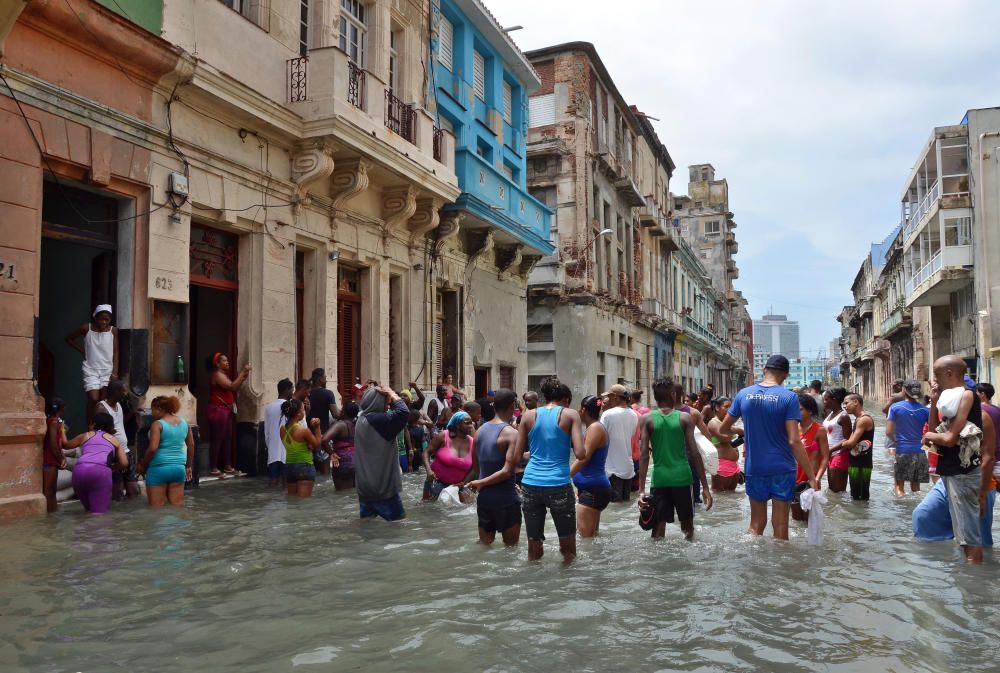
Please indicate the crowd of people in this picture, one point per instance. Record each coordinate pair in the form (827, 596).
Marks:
(523, 459)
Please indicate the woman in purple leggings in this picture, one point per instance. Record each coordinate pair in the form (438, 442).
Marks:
(99, 451)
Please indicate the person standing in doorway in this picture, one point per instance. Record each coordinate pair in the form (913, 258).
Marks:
(383, 415)
(100, 354)
(621, 423)
(668, 435)
(272, 433)
(859, 445)
(966, 469)
(838, 428)
(771, 418)
(904, 428)
(221, 414)
(551, 434)
(112, 405)
(167, 460)
(494, 460)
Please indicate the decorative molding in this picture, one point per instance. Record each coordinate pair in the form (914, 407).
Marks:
(448, 229)
(507, 258)
(528, 263)
(485, 245)
(310, 164)
(426, 217)
(349, 179)
(398, 206)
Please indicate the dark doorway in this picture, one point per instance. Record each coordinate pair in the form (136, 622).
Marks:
(78, 271)
(482, 381)
(348, 331)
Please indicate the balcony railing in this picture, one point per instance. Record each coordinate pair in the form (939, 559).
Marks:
(400, 118)
(932, 195)
(438, 143)
(355, 85)
(951, 255)
(894, 320)
(297, 72)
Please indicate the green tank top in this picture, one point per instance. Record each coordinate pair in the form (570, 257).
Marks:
(296, 453)
(670, 463)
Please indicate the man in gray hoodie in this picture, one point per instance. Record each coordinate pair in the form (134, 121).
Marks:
(376, 459)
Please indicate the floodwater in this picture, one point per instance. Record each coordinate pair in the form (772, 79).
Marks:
(242, 579)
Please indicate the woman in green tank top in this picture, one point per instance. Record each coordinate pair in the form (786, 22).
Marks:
(300, 444)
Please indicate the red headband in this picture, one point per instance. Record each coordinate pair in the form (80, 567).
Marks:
(215, 359)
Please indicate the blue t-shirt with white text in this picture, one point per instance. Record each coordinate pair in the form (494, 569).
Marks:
(909, 417)
(764, 410)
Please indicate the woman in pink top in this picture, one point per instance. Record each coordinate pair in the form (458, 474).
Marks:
(448, 458)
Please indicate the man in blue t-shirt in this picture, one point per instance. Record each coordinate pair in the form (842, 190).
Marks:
(771, 418)
(904, 427)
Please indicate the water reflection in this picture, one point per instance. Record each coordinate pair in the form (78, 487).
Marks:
(243, 579)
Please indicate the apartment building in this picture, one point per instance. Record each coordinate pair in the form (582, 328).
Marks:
(774, 333)
(624, 298)
(274, 180)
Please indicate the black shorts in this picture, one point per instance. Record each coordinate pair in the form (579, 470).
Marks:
(499, 519)
(296, 472)
(595, 498)
(559, 500)
(672, 499)
(621, 489)
(128, 474)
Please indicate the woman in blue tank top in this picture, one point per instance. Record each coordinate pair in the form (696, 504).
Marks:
(591, 481)
(166, 463)
(495, 460)
(552, 434)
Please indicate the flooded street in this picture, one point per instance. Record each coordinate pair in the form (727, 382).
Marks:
(244, 580)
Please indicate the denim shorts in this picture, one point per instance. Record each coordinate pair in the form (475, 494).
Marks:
(963, 505)
(128, 474)
(779, 487)
(275, 470)
(559, 500)
(295, 472)
(390, 509)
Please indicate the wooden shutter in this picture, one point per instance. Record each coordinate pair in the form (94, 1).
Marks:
(348, 345)
(542, 110)
(479, 75)
(438, 348)
(507, 103)
(447, 38)
(507, 378)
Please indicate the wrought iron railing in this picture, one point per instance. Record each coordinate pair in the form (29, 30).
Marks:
(355, 85)
(438, 148)
(400, 118)
(297, 79)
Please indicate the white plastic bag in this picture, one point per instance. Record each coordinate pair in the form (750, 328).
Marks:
(709, 453)
(449, 496)
(812, 501)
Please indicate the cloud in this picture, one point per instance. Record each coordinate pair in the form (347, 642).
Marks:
(814, 112)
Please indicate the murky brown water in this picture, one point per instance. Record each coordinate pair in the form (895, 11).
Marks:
(244, 580)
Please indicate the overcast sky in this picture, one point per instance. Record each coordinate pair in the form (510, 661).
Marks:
(814, 112)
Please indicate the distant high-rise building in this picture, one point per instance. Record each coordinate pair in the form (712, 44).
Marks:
(774, 334)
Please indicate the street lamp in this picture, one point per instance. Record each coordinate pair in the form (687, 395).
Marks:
(585, 250)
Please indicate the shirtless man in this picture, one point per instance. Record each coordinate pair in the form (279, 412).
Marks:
(729, 456)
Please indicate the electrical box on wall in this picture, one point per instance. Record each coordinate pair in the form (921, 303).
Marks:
(178, 184)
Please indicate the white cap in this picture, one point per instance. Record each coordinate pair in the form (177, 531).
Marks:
(102, 308)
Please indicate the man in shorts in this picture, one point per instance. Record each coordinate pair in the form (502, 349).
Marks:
(904, 428)
(621, 423)
(552, 434)
(668, 435)
(771, 418)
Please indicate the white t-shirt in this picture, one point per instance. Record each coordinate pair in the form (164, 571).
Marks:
(272, 431)
(620, 423)
(119, 417)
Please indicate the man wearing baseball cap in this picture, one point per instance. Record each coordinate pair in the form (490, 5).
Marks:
(620, 422)
(904, 428)
(771, 418)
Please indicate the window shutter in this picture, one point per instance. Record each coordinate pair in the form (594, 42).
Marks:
(348, 346)
(479, 75)
(507, 103)
(447, 38)
(438, 350)
(542, 110)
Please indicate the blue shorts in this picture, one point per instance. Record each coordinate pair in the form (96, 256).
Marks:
(275, 470)
(390, 509)
(775, 486)
(296, 472)
(161, 475)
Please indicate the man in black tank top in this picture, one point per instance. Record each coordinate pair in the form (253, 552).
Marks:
(965, 480)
